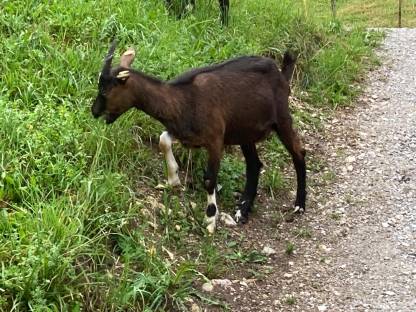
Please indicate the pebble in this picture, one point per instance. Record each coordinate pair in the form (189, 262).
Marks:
(195, 308)
(268, 251)
(322, 308)
(227, 219)
(208, 287)
(221, 282)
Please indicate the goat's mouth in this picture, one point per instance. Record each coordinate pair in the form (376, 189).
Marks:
(110, 118)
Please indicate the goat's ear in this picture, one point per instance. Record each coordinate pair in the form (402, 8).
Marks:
(127, 58)
(123, 76)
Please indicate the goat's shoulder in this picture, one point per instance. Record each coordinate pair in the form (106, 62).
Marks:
(189, 76)
(204, 79)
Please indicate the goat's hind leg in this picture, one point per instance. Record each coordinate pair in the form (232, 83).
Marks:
(165, 145)
(293, 144)
(253, 166)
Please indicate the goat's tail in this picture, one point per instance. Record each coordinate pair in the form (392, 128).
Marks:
(289, 60)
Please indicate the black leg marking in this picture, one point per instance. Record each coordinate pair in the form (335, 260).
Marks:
(211, 210)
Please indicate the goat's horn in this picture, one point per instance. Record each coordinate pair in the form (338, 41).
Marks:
(123, 74)
(109, 58)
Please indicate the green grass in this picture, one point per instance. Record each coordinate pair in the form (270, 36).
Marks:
(290, 300)
(303, 232)
(82, 226)
(377, 13)
(290, 248)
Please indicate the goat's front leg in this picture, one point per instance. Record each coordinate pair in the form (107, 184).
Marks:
(210, 182)
(165, 145)
(253, 166)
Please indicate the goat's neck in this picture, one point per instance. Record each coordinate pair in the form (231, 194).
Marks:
(156, 98)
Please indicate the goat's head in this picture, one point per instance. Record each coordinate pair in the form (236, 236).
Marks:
(114, 95)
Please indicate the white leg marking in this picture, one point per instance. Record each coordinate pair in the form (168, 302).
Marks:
(237, 215)
(297, 208)
(211, 221)
(165, 144)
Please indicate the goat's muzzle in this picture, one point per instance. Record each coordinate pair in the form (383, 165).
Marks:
(110, 118)
(98, 107)
(95, 113)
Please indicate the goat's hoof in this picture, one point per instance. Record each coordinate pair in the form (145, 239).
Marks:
(211, 223)
(240, 218)
(299, 210)
(211, 228)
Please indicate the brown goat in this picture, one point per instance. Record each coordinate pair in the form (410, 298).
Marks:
(238, 102)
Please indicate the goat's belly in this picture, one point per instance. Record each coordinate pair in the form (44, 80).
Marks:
(239, 137)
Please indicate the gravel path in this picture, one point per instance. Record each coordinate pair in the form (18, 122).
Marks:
(375, 265)
(362, 208)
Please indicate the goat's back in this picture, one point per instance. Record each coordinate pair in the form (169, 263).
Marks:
(240, 97)
(243, 64)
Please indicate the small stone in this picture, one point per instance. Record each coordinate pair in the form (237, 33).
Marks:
(221, 282)
(268, 251)
(195, 308)
(208, 287)
(288, 275)
(324, 248)
(242, 283)
(341, 210)
(227, 219)
(177, 227)
(389, 293)
(350, 159)
(322, 308)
